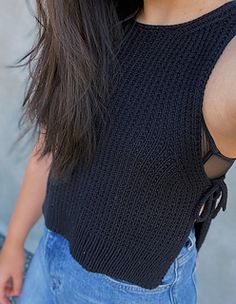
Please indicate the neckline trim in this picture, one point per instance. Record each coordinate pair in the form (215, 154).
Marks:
(194, 22)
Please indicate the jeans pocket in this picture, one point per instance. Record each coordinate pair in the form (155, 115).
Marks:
(188, 248)
(167, 281)
(185, 289)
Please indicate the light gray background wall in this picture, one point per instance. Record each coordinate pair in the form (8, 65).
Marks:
(216, 268)
(17, 30)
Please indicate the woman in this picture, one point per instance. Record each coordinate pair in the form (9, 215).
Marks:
(138, 138)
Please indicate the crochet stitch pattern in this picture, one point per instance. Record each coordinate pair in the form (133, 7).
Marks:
(129, 215)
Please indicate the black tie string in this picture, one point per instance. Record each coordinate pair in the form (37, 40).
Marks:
(210, 197)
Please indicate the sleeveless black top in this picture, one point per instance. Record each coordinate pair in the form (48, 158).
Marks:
(156, 164)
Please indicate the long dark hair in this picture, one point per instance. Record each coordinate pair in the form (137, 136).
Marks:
(68, 79)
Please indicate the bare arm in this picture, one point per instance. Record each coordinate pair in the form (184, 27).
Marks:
(28, 208)
(27, 211)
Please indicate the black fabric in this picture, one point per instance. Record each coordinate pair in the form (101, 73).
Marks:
(216, 164)
(130, 213)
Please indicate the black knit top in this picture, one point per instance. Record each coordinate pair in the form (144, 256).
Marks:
(129, 214)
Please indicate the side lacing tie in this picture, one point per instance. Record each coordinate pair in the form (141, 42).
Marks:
(210, 197)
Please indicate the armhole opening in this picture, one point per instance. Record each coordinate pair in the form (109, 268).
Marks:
(215, 163)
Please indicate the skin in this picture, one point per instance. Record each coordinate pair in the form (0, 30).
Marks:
(219, 109)
(26, 213)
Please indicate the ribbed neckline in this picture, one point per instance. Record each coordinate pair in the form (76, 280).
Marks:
(205, 18)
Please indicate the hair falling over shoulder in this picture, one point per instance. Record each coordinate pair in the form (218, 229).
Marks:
(68, 81)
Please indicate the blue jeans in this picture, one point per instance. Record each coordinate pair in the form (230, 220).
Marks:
(55, 277)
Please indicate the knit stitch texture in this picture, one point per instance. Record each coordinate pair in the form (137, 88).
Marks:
(130, 213)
